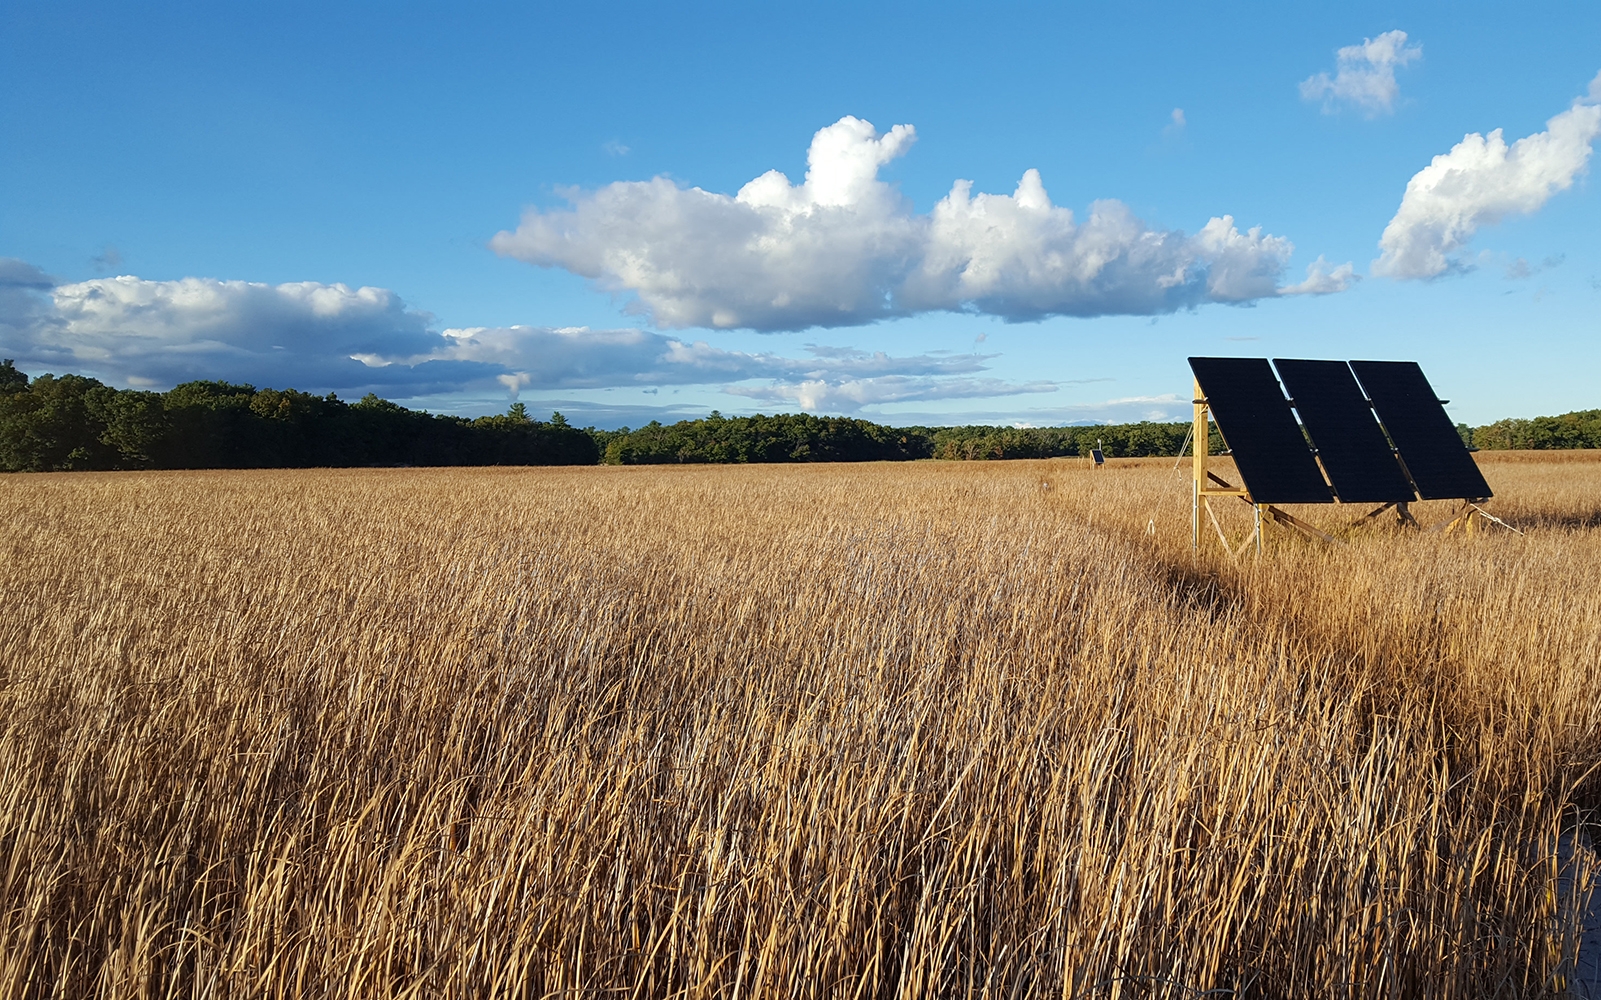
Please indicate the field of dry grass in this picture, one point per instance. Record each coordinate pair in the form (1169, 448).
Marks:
(843, 731)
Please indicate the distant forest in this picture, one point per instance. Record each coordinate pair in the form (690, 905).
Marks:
(72, 422)
(65, 422)
(801, 437)
(1581, 429)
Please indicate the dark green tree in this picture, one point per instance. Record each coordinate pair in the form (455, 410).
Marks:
(51, 427)
(134, 424)
(11, 380)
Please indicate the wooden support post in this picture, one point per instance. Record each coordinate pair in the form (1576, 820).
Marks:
(1208, 484)
(1272, 513)
(1403, 514)
(1370, 515)
(1199, 434)
(1202, 490)
(1217, 527)
(1284, 517)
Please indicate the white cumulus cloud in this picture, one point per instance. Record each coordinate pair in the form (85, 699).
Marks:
(844, 247)
(1323, 278)
(1481, 181)
(162, 332)
(1364, 75)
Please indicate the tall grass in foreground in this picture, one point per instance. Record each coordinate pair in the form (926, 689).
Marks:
(862, 731)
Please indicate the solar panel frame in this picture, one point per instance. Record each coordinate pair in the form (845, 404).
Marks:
(1351, 445)
(1255, 419)
(1435, 457)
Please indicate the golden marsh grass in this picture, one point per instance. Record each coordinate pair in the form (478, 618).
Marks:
(808, 731)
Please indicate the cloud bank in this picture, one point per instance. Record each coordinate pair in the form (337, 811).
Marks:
(331, 337)
(844, 248)
(1364, 75)
(159, 333)
(1481, 181)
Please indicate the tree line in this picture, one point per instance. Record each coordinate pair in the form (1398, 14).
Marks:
(802, 437)
(1581, 429)
(71, 422)
(66, 422)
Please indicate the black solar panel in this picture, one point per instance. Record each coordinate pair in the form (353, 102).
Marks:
(1350, 443)
(1269, 449)
(1434, 454)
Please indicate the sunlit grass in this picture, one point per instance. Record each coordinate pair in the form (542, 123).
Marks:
(869, 730)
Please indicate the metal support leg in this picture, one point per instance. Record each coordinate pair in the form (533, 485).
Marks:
(1195, 520)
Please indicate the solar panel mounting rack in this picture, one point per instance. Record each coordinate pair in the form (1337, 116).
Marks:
(1412, 451)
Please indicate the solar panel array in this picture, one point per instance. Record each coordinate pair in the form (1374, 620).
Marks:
(1415, 449)
(1269, 448)
(1349, 442)
(1433, 452)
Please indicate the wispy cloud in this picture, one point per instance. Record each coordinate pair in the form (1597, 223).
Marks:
(1364, 75)
(1129, 409)
(1481, 181)
(109, 259)
(1166, 407)
(849, 395)
(1175, 124)
(582, 358)
(845, 248)
(1521, 270)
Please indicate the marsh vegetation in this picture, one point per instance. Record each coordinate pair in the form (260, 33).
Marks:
(859, 731)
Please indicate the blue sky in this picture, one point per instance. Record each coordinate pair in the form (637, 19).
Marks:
(447, 206)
